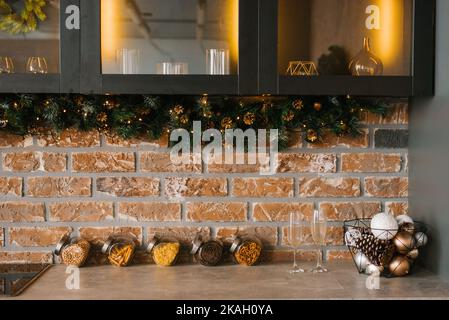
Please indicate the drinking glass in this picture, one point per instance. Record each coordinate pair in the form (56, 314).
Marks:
(37, 65)
(319, 229)
(295, 237)
(172, 68)
(217, 61)
(128, 60)
(6, 65)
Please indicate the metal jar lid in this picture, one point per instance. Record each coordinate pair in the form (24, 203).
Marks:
(152, 243)
(237, 241)
(196, 244)
(107, 244)
(64, 240)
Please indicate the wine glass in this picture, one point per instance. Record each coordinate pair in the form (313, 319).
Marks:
(295, 237)
(6, 65)
(318, 226)
(37, 65)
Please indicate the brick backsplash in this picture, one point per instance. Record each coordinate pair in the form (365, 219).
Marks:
(94, 184)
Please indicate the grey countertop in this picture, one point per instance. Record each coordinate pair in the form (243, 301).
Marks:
(231, 282)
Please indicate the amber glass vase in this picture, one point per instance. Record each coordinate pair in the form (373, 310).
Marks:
(365, 63)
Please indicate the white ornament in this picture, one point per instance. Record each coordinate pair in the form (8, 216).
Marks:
(421, 239)
(404, 219)
(384, 226)
(361, 261)
(351, 236)
(374, 270)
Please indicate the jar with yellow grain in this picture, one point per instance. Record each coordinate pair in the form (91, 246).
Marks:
(246, 250)
(120, 249)
(73, 251)
(208, 253)
(165, 251)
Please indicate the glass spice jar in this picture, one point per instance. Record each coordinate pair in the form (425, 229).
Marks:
(73, 251)
(246, 250)
(120, 249)
(208, 253)
(164, 251)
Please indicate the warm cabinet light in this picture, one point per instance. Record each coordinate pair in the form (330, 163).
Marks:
(390, 38)
(233, 14)
(110, 10)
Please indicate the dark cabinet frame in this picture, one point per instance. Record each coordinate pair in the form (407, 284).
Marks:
(420, 83)
(244, 83)
(68, 79)
(80, 59)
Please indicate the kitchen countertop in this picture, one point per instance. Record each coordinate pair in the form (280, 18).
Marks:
(230, 282)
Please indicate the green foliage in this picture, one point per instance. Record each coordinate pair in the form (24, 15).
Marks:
(23, 22)
(134, 116)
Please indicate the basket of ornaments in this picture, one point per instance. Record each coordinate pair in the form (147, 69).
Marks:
(385, 244)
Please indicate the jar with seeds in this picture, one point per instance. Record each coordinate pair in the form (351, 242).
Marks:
(73, 251)
(165, 251)
(208, 253)
(120, 249)
(246, 250)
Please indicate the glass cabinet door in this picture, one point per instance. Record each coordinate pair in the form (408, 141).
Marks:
(345, 37)
(30, 45)
(169, 37)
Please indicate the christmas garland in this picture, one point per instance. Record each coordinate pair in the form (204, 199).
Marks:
(23, 22)
(131, 116)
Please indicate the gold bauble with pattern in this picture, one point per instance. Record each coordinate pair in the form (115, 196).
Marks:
(249, 118)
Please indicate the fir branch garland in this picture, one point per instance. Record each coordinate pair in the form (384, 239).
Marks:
(131, 116)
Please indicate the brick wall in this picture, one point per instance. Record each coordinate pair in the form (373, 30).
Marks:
(95, 184)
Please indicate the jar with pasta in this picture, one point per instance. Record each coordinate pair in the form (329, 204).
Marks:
(246, 250)
(120, 250)
(208, 253)
(73, 251)
(164, 251)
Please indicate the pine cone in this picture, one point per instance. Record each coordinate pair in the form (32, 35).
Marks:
(379, 252)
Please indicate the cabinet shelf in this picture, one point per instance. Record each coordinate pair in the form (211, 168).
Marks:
(391, 86)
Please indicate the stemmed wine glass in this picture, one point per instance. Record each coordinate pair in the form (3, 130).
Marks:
(6, 65)
(318, 226)
(295, 237)
(37, 65)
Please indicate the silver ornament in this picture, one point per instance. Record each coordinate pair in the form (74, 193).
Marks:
(421, 239)
(371, 269)
(413, 255)
(361, 261)
(351, 236)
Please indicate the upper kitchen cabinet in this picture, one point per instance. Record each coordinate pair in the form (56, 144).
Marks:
(357, 47)
(170, 46)
(39, 47)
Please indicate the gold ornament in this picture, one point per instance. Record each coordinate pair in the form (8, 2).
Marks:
(102, 117)
(399, 266)
(298, 104)
(226, 123)
(413, 255)
(317, 106)
(404, 242)
(3, 123)
(312, 136)
(249, 118)
(178, 109)
(289, 116)
(184, 119)
(302, 68)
